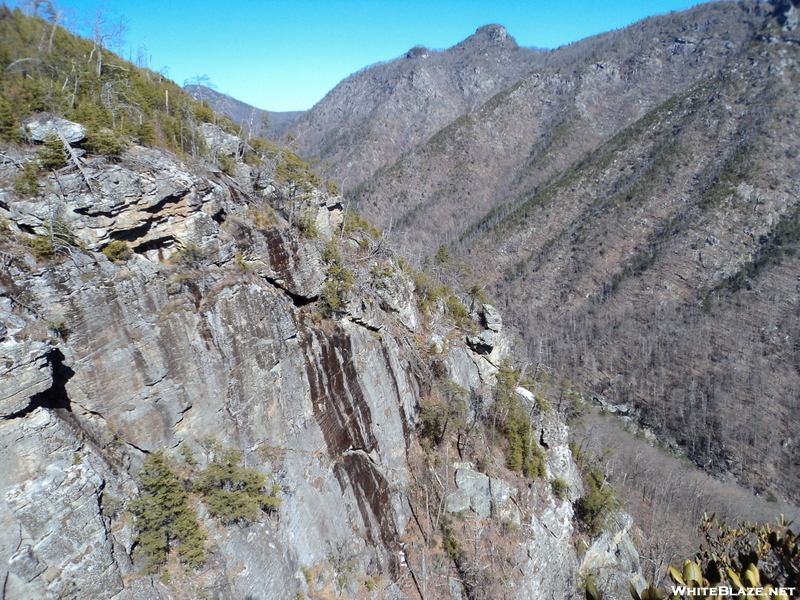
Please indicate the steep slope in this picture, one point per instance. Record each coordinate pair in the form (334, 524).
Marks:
(373, 116)
(215, 383)
(663, 267)
(580, 96)
(224, 321)
(263, 123)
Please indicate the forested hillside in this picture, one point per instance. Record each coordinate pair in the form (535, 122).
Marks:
(373, 116)
(633, 202)
(47, 69)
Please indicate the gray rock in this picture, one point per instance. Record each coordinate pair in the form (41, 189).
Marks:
(25, 371)
(221, 142)
(162, 354)
(485, 496)
(491, 318)
(613, 561)
(462, 368)
(41, 127)
(54, 504)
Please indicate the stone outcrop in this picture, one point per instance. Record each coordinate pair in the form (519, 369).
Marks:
(42, 127)
(213, 330)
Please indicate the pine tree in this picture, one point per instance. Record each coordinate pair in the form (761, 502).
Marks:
(51, 155)
(163, 514)
(8, 122)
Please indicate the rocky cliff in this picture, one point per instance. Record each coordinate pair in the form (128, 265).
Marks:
(226, 319)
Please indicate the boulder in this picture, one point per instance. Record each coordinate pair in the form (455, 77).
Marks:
(40, 127)
(224, 143)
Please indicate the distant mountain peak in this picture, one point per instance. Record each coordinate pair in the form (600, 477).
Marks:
(493, 37)
(494, 32)
(418, 52)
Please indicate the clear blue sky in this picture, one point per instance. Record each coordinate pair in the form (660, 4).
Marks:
(288, 55)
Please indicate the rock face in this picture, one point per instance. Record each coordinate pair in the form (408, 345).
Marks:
(213, 330)
(483, 495)
(221, 142)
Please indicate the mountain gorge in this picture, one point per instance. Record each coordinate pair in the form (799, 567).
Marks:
(216, 330)
(371, 118)
(221, 381)
(262, 123)
(631, 202)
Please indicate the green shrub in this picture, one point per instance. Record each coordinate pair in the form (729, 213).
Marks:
(188, 456)
(307, 223)
(42, 246)
(773, 547)
(46, 246)
(443, 256)
(428, 293)
(9, 126)
(523, 452)
(163, 516)
(145, 134)
(446, 408)
(26, 183)
(747, 555)
(238, 258)
(560, 488)
(103, 143)
(58, 326)
(203, 112)
(117, 250)
(51, 154)
(450, 542)
(226, 165)
(191, 255)
(330, 253)
(353, 221)
(339, 280)
(307, 574)
(337, 287)
(262, 216)
(233, 492)
(5, 227)
(332, 187)
(455, 309)
(600, 502)
(296, 174)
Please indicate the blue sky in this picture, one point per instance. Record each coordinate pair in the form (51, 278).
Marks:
(288, 55)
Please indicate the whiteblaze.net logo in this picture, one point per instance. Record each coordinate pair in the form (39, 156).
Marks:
(727, 592)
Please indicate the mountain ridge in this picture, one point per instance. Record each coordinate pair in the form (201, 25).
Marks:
(256, 121)
(590, 175)
(405, 100)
